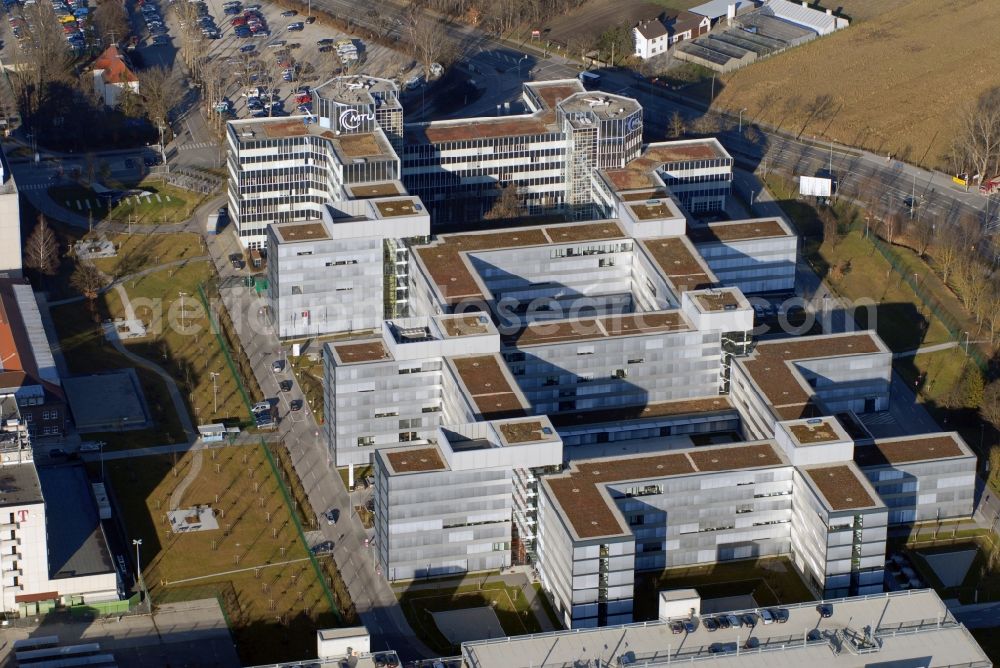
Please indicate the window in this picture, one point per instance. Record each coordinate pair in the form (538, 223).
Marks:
(606, 262)
(304, 253)
(620, 373)
(637, 360)
(585, 350)
(431, 409)
(28, 417)
(412, 423)
(407, 370)
(365, 440)
(407, 436)
(296, 289)
(387, 414)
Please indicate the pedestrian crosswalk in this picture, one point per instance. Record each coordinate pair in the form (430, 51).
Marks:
(32, 186)
(197, 145)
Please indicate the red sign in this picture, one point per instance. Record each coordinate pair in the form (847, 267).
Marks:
(536, 33)
(22, 515)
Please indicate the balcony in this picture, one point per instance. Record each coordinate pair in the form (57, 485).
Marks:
(10, 558)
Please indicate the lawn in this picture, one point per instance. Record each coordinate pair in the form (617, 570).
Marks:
(142, 251)
(869, 75)
(277, 601)
(184, 343)
(772, 581)
(165, 204)
(309, 375)
(982, 577)
(900, 319)
(509, 604)
(86, 351)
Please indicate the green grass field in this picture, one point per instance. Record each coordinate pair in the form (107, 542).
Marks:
(137, 252)
(165, 204)
(276, 604)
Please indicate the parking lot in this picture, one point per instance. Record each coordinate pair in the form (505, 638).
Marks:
(311, 53)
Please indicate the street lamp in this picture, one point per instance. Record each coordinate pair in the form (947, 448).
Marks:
(100, 449)
(741, 119)
(966, 342)
(138, 568)
(182, 296)
(215, 392)
(521, 60)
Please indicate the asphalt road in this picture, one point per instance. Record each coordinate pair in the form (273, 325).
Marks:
(373, 598)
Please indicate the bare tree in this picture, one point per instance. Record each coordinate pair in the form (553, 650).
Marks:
(978, 139)
(507, 205)
(946, 253)
(41, 250)
(922, 235)
(111, 21)
(429, 41)
(43, 60)
(88, 281)
(677, 126)
(160, 90)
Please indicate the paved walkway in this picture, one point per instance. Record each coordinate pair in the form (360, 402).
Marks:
(193, 472)
(133, 277)
(925, 349)
(175, 393)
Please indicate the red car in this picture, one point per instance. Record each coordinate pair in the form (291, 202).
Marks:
(238, 21)
(303, 99)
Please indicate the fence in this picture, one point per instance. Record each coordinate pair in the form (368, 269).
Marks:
(930, 302)
(223, 344)
(298, 527)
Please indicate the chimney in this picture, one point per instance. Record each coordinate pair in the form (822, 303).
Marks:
(730, 13)
(829, 12)
(805, 4)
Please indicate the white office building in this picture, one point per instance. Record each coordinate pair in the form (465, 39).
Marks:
(345, 272)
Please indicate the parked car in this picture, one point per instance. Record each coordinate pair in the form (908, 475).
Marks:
(331, 516)
(91, 446)
(285, 386)
(825, 610)
(247, 48)
(322, 548)
(676, 627)
(298, 25)
(780, 615)
(278, 366)
(722, 622)
(310, 19)
(289, 13)
(261, 406)
(710, 624)
(296, 405)
(689, 625)
(766, 617)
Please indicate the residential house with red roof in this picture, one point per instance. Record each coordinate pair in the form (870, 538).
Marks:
(112, 74)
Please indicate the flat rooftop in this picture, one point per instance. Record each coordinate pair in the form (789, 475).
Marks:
(525, 432)
(421, 459)
(444, 261)
(359, 89)
(680, 263)
(841, 485)
(470, 129)
(548, 332)
(358, 353)
(908, 449)
(77, 545)
(654, 209)
(605, 106)
(19, 485)
(551, 93)
(718, 300)
(408, 206)
(465, 325)
(739, 230)
(297, 232)
(817, 431)
(372, 190)
(649, 411)
(638, 172)
(906, 626)
(770, 366)
(486, 381)
(348, 147)
(591, 513)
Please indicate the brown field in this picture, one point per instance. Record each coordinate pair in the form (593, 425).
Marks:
(896, 83)
(594, 17)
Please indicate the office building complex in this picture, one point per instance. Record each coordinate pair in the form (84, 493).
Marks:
(572, 151)
(448, 506)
